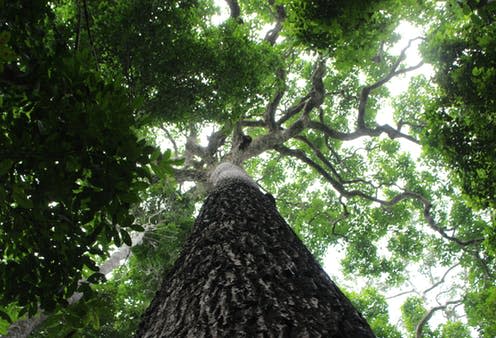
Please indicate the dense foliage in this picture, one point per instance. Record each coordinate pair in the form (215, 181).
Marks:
(117, 310)
(92, 92)
(461, 122)
(71, 164)
(157, 54)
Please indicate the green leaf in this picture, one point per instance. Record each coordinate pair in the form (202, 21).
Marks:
(476, 71)
(155, 155)
(5, 316)
(89, 263)
(20, 197)
(126, 238)
(136, 227)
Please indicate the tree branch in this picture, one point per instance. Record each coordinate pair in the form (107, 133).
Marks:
(215, 141)
(360, 132)
(171, 139)
(425, 319)
(328, 164)
(335, 134)
(364, 95)
(280, 15)
(278, 136)
(270, 111)
(401, 294)
(318, 90)
(344, 215)
(293, 110)
(439, 282)
(251, 123)
(299, 154)
(182, 175)
(312, 100)
(339, 186)
(235, 10)
(207, 154)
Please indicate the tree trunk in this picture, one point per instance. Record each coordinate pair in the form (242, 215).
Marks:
(244, 273)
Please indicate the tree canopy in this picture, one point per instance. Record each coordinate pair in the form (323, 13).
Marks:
(113, 114)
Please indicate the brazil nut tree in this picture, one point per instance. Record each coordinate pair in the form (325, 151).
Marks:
(296, 92)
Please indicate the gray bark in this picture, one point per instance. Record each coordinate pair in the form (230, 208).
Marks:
(244, 273)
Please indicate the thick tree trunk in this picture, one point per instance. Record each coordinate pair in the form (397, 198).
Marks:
(244, 273)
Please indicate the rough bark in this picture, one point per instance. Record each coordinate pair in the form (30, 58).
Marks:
(244, 273)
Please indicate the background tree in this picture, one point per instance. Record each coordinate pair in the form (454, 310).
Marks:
(71, 163)
(463, 112)
(309, 86)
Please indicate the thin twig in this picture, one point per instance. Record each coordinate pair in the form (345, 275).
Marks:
(440, 281)
(171, 139)
(401, 294)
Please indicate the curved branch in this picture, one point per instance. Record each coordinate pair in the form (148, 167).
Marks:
(318, 90)
(425, 319)
(328, 164)
(391, 132)
(312, 100)
(215, 141)
(293, 110)
(335, 134)
(206, 154)
(344, 215)
(278, 136)
(235, 10)
(336, 184)
(299, 154)
(439, 282)
(251, 123)
(280, 15)
(171, 140)
(360, 132)
(270, 111)
(364, 96)
(400, 294)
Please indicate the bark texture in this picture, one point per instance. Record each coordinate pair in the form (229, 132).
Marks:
(244, 273)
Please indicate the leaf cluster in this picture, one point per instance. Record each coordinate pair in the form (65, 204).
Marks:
(351, 31)
(158, 55)
(373, 306)
(70, 163)
(461, 123)
(115, 308)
